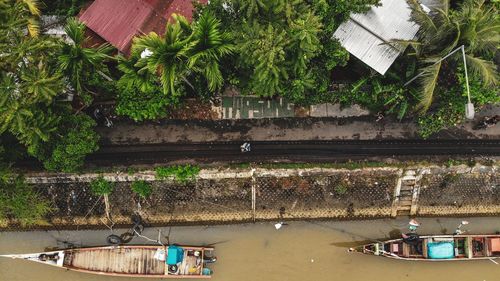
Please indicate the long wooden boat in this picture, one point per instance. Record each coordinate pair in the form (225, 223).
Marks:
(436, 248)
(131, 261)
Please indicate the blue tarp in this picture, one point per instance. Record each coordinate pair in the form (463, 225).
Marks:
(441, 250)
(175, 255)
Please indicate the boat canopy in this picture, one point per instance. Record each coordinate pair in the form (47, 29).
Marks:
(441, 250)
(175, 255)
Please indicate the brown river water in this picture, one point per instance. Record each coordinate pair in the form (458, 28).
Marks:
(299, 251)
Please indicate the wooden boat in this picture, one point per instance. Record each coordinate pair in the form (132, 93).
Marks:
(436, 248)
(131, 261)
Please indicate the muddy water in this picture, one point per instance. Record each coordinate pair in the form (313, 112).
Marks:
(298, 251)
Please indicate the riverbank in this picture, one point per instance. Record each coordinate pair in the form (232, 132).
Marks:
(236, 195)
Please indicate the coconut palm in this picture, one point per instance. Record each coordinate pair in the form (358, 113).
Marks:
(76, 60)
(250, 8)
(263, 49)
(211, 45)
(474, 24)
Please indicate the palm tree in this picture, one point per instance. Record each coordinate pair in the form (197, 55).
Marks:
(76, 60)
(135, 76)
(165, 55)
(262, 48)
(211, 45)
(305, 42)
(249, 8)
(474, 25)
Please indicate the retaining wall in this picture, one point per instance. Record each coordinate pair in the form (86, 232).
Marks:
(246, 195)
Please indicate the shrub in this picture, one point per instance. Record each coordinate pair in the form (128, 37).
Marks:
(341, 189)
(100, 186)
(142, 188)
(181, 173)
(77, 140)
(19, 201)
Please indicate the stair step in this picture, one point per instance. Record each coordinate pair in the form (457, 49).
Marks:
(408, 183)
(404, 208)
(405, 194)
(410, 173)
(405, 198)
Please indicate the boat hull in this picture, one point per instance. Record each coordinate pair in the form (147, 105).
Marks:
(138, 261)
(437, 248)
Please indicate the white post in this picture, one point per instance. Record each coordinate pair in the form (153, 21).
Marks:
(469, 107)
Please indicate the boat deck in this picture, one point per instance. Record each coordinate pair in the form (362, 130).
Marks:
(120, 260)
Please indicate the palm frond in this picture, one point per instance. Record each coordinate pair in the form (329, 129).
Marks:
(75, 30)
(33, 27)
(421, 17)
(33, 6)
(485, 69)
(428, 84)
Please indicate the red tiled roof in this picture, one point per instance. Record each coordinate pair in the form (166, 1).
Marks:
(118, 21)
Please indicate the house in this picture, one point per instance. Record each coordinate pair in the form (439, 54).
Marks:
(367, 36)
(119, 21)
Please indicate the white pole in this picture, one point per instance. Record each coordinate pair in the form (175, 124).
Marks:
(466, 75)
(469, 107)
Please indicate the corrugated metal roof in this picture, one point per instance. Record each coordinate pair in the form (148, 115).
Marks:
(118, 21)
(366, 35)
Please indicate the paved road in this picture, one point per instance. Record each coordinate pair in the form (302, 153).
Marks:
(309, 151)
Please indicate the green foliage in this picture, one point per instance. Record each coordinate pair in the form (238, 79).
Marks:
(81, 64)
(284, 47)
(142, 188)
(430, 124)
(68, 8)
(451, 106)
(32, 83)
(140, 106)
(181, 173)
(182, 50)
(19, 201)
(341, 189)
(262, 48)
(101, 187)
(186, 54)
(474, 24)
(77, 140)
(140, 95)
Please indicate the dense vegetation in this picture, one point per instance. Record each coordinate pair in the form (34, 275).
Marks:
(180, 173)
(19, 201)
(267, 48)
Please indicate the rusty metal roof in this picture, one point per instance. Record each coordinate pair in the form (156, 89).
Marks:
(118, 21)
(366, 35)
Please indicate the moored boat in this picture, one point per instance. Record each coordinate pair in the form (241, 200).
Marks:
(131, 261)
(436, 248)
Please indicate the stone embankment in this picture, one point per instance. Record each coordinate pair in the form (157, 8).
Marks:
(258, 194)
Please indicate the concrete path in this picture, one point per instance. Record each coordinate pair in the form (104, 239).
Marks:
(359, 128)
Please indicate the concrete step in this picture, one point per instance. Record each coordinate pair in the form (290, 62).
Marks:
(403, 213)
(406, 191)
(405, 198)
(404, 208)
(408, 183)
(410, 173)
